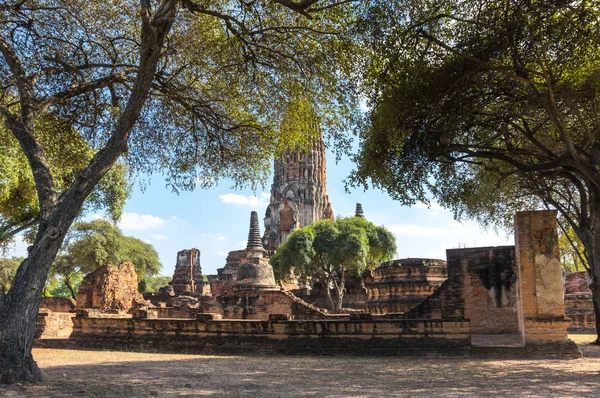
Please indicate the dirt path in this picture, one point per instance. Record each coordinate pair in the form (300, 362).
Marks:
(124, 374)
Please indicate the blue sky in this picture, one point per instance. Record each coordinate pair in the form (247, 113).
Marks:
(216, 221)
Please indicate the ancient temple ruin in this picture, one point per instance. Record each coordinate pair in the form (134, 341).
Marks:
(495, 301)
(187, 277)
(298, 194)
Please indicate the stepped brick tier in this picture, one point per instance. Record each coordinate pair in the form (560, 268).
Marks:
(254, 294)
(232, 263)
(227, 275)
(359, 211)
(578, 303)
(298, 194)
(261, 305)
(111, 288)
(400, 285)
(187, 277)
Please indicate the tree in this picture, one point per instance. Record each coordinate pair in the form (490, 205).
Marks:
(19, 208)
(8, 268)
(572, 254)
(329, 250)
(491, 106)
(154, 283)
(191, 89)
(95, 243)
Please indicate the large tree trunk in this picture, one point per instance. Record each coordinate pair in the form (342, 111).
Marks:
(20, 308)
(339, 294)
(592, 246)
(329, 297)
(596, 300)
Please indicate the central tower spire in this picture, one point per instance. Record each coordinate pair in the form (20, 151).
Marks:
(298, 194)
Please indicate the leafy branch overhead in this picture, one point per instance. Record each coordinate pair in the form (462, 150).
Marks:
(490, 106)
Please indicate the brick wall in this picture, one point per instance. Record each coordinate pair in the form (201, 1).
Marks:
(491, 290)
(579, 307)
(51, 325)
(365, 337)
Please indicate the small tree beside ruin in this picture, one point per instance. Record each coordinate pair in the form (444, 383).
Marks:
(330, 250)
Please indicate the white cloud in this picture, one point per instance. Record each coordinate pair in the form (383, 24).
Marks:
(159, 237)
(241, 244)
(251, 201)
(18, 248)
(417, 230)
(141, 222)
(219, 251)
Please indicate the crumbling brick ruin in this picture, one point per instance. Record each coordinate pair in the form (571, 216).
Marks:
(578, 303)
(254, 293)
(111, 288)
(187, 277)
(496, 301)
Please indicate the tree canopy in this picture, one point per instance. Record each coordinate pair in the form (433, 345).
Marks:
(329, 250)
(192, 89)
(490, 106)
(67, 153)
(97, 243)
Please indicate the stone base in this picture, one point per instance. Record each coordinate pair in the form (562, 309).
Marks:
(547, 329)
(566, 349)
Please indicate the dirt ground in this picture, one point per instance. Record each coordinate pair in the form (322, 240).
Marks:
(71, 373)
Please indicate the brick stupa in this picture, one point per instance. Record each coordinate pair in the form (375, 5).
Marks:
(255, 272)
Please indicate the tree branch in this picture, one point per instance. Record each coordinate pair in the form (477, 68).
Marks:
(80, 89)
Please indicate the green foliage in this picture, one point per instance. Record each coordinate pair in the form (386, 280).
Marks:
(8, 268)
(96, 243)
(572, 251)
(67, 153)
(490, 106)
(329, 250)
(66, 288)
(142, 286)
(92, 244)
(154, 283)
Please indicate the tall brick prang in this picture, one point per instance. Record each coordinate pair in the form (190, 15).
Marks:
(298, 194)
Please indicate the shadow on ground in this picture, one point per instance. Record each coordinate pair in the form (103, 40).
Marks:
(72, 373)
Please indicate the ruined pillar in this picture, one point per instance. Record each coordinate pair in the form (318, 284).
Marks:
(187, 277)
(543, 309)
